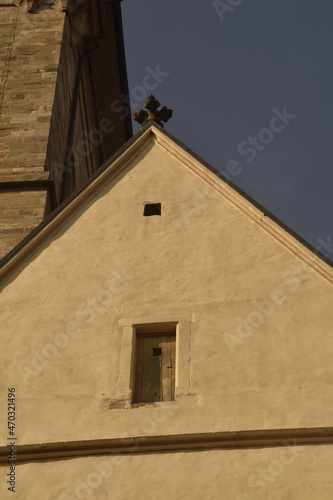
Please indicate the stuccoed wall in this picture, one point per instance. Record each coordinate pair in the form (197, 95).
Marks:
(268, 474)
(64, 316)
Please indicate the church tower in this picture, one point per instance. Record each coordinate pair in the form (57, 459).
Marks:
(63, 104)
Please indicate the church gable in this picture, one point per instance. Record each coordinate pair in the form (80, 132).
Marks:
(158, 244)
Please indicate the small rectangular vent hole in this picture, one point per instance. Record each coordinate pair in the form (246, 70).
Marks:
(152, 209)
(157, 351)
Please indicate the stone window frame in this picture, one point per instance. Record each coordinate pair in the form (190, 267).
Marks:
(122, 394)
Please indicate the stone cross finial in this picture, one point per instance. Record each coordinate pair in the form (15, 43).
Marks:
(153, 113)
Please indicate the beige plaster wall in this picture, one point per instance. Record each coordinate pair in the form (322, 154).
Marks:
(64, 316)
(287, 473)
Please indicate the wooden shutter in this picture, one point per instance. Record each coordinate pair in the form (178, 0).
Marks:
(155, 368)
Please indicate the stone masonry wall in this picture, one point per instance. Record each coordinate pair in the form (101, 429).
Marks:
(29, 56)
(57, 123)
(20, 213)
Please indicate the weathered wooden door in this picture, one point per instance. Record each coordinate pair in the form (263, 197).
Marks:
(155, 368)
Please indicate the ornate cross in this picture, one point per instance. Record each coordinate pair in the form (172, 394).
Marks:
(158, 115)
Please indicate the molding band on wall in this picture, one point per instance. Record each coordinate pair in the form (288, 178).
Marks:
(170, 444)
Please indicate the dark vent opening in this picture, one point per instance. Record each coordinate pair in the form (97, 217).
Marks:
(157, 351)
(152, 209)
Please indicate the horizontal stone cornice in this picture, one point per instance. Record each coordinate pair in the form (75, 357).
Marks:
(171, 444)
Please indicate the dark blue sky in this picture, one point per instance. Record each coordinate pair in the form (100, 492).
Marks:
(223, 73)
